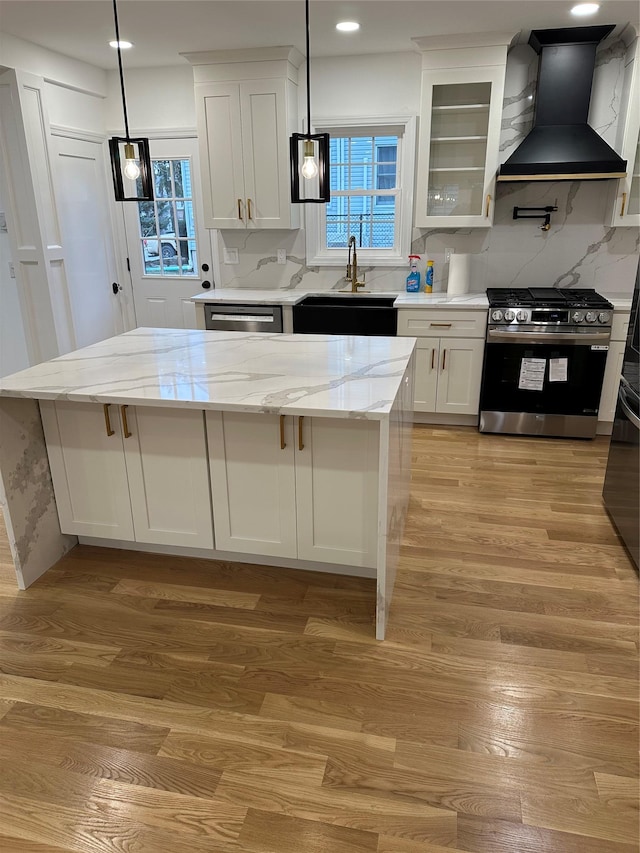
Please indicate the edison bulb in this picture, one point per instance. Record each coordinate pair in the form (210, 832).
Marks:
(309, 168)
(131, 170)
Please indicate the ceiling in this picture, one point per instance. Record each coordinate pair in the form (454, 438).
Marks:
(163, 29)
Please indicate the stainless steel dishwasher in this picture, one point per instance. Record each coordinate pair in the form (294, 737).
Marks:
(237, 317)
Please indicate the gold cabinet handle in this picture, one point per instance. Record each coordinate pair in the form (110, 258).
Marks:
(442, 325)
(624, 204)
(250, 215)
(107, 419)
(240, 216)
(433, 358)
(125, 425)
(300, 442)
(486, 212)
(282, 441)
(444, 358)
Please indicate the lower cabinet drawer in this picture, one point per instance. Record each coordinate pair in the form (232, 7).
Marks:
(419, 322)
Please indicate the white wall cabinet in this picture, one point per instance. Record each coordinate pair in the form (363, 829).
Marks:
(460, 120)
(626, 201)
(303, 488)
(613, 367)
(449, 356)
(137, 475)
(246, 111)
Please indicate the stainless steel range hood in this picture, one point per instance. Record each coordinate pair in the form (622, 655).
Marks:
(561, 145)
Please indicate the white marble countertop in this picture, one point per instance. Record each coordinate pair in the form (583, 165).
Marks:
(620, 301)
(316, 375)
(292, 297)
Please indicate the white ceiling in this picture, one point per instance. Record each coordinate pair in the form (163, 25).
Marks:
(163, 29)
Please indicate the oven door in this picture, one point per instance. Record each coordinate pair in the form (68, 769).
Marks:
(543, 383)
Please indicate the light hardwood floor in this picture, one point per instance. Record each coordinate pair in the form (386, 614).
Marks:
(166, 705)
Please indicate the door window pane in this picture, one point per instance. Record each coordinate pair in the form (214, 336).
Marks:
(167, 219)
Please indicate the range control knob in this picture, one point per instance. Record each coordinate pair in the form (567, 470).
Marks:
(604, 317)
(577, 316)
(521, 316)
(590, 316)
(497, 316)
(509, 316)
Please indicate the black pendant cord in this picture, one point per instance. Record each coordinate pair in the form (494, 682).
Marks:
(124, 100)
(308, 75)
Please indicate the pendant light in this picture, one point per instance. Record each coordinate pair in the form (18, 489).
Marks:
(309, 155)
(130, 158)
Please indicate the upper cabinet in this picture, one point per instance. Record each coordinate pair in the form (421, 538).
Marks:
(246, 110)
(460, 119)
(626, 203)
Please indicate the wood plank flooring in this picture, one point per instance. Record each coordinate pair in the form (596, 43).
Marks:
(152, 704)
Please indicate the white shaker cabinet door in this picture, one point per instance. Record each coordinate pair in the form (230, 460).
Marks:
(221, 156)
(88, 468)
(426, 374)
(252, 483)
(460, 376)
(337, 490)
(166, 457)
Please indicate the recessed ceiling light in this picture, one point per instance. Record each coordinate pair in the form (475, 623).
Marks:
(583, 9)
(348, 26)
(123, 45)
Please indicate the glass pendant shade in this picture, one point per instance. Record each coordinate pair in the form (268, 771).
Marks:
(309, 168)
(131, 167)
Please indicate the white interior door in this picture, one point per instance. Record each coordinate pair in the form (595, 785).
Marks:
(170, 252)
(81, 200)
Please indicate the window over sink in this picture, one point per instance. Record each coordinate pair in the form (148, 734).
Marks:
(371, 175)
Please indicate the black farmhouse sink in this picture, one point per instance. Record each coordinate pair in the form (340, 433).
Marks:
(345, 314)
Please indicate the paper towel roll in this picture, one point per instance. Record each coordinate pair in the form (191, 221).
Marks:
(458, 281)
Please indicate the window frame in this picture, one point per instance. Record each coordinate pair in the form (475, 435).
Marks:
(404, 127)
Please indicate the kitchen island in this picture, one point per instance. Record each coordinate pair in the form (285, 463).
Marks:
(277, 449)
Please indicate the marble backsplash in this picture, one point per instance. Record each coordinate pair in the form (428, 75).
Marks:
(579, 250)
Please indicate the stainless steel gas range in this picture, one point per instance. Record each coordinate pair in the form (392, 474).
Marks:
(544, 361)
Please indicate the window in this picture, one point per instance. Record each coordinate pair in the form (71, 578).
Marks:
(371, 175)
(167, 227)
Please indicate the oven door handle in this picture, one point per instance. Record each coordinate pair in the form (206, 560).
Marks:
(550, 337)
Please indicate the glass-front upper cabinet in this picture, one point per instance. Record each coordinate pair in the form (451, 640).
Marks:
(458, 148)
(626, 204)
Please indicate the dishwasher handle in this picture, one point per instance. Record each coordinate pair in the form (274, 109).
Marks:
(243, 318)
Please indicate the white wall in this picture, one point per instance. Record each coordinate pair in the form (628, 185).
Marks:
(157, 98)
(26, 56)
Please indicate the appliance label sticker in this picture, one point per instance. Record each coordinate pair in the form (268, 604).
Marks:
(599, 347)
(558, 369)
(532, 374)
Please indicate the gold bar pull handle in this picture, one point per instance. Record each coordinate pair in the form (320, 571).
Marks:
(300, 434)
(624, 204)
(486, 210)
(433, 358)
(282, 441)
(444, 358)
(107, 419)
(249, 213)
(125, 425)
(240, 216)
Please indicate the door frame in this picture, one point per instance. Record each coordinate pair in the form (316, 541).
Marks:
(211, 246)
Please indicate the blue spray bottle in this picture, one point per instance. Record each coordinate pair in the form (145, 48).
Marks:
(413, 279)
